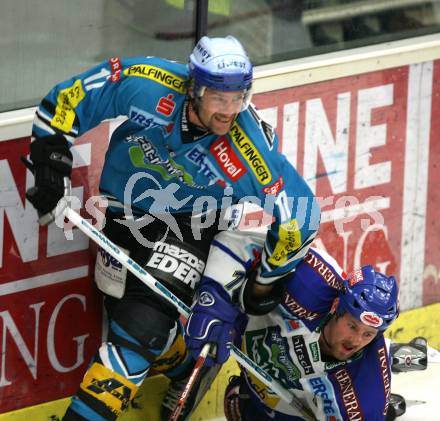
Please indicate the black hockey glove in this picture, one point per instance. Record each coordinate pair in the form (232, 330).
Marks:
(51, 162)
(256, 304)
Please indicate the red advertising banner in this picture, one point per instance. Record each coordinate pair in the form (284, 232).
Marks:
(431, 270)
(366, 146)
(50, 311)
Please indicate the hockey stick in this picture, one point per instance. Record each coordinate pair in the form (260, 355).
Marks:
(183, 309)
(189, 385)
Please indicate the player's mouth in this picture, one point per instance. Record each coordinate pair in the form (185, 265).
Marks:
(223, 119)
(347, 348)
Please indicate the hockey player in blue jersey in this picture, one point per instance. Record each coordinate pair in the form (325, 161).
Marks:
(324, 341)
(192, 147)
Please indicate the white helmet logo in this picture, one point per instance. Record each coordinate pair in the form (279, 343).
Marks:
(370, 318)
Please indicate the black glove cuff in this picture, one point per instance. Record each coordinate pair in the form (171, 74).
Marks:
(52, 151)
(259, 305)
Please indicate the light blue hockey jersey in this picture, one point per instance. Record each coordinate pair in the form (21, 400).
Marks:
(149, 166)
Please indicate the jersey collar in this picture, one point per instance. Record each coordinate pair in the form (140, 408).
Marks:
(190, 132)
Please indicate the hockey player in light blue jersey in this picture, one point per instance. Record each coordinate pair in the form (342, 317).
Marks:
(192, 147)
(324, 341)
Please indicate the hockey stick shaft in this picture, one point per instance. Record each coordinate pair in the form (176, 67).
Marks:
(115, 251)
(189, 385)
(182, 308)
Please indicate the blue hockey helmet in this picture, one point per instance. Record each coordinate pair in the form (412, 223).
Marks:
(370, 297)
(221, 64)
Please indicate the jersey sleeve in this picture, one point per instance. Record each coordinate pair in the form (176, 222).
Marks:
(283, 193)
(231, 255)
(316, 282)
(296, 217)
(110, 89)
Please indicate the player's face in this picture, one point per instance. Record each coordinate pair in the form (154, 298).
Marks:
(344, 336)
(218, 109)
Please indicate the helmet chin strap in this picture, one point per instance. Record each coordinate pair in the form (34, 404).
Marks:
(323, 336)
(193, 108)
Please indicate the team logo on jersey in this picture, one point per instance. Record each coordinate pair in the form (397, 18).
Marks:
(271, 350)
(385, 370)
(300, 348)
(145, 119)
(250, 154)
(297, 309)
(314, 349)
(355, 277)
(227, 159)
(162, 76)
(67, 100)
(350, 399)
(328, 275)
(147, 156)
(198, 157)
(116, 67)
(293, 325)
(275, 188)
(370, 318)
(166, 105)
(289, 240)
(319, 387)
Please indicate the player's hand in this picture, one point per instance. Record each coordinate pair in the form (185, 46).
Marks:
(51, 163)
(212, 321)
(259, 299)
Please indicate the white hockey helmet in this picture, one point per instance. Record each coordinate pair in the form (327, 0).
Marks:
(221, 64)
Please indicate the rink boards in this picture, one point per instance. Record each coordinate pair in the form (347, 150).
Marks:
(416, 386)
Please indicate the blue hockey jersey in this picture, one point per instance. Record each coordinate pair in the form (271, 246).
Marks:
(285, 342)
(151, 168)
